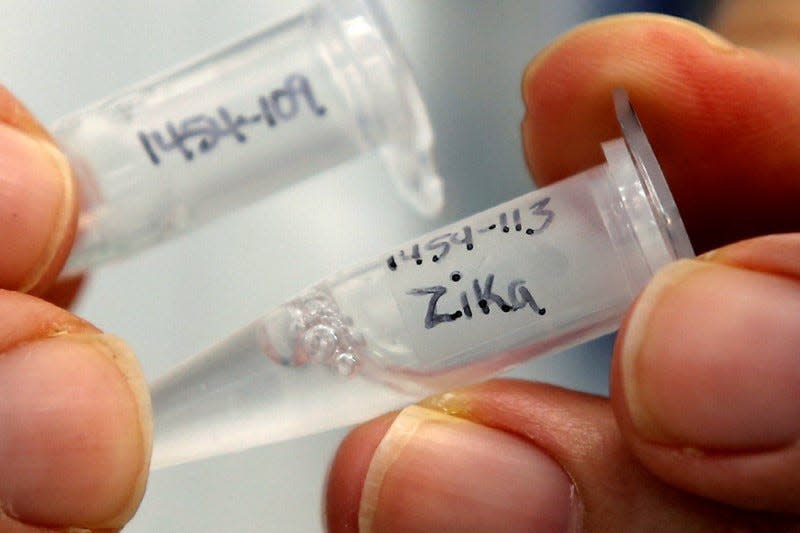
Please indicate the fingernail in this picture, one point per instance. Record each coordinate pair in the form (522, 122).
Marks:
(36, 207)
(436, 472)
(710, 357)
(76, 432)
(714, 39)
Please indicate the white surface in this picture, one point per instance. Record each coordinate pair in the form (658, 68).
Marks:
(174, 300)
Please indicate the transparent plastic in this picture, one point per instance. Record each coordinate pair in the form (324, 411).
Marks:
(550, 269)
(325, 86)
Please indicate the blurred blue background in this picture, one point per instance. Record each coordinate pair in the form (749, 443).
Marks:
(692, 9)
(176, 299)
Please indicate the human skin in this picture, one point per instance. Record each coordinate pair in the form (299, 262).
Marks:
(701, 431)
(75, 424)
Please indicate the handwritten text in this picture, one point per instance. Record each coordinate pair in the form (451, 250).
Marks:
(202, 133)
(537, 219)
(483, 296)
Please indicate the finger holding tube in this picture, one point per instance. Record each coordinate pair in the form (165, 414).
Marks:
(75, 423)
(75, 418)
(721, 120)
(706, 380)
(444, 465)
(724, 121)
(38, 201)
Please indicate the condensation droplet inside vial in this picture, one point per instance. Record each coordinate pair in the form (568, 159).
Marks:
(314, 308)
(346, 363)
(320, 342)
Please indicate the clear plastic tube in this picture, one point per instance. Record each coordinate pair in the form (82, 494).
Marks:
(323, 87)
(545, 271)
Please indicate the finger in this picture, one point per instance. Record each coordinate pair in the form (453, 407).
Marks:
(511, 456)
(38, 206)
(718, 413)
(15, 114)
(75, 418)
(723, 121)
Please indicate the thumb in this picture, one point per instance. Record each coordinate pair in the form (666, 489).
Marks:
(510, 456)
(706, 379)
(75, 423)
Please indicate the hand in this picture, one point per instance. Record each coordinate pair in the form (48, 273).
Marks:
(703, 425)
(75, 423)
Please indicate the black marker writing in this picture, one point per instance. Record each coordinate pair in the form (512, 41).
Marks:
(539, 209)
(414, 256)
(519, 221)
(519, 297)
(201, 133)
(539, 219)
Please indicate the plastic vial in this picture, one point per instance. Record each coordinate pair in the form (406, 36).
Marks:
(323, 87)
(545, 271)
